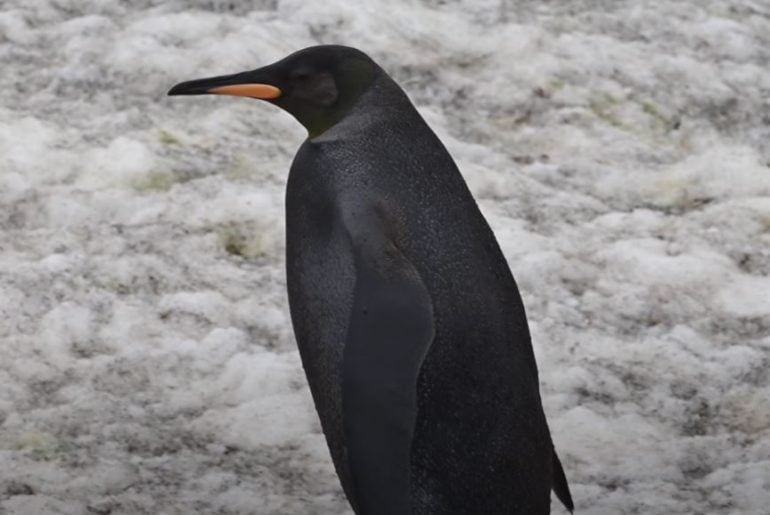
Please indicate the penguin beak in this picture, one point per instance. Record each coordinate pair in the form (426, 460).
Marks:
(239, 84)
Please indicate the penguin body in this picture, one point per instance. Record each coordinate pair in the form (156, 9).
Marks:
(410, 326)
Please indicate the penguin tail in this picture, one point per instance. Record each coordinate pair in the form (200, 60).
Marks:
(559, 483)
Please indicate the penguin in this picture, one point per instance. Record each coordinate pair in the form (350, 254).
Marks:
(409, 324)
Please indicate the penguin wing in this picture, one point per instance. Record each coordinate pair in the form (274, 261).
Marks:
(389, 333)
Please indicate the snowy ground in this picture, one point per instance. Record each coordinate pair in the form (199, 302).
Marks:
(621, 151)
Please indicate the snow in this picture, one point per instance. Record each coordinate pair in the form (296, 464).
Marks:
(620, 150)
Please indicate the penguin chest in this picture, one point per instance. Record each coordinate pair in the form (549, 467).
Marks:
(320, 275)
(320, 281)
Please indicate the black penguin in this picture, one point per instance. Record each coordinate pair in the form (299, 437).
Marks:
(409, 323)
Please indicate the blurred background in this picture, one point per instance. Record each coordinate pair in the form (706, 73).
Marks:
(619, 149)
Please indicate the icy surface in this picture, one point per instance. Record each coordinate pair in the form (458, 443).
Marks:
(619, 149)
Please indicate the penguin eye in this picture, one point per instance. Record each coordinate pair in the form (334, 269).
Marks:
(318, 87)
(301, 76)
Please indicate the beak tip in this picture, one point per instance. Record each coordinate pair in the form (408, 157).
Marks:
(176, 90)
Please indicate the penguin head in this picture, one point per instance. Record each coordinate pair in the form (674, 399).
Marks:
(317, 85)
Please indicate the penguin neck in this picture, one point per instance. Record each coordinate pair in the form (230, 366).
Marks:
(382, 101)
(355, 81)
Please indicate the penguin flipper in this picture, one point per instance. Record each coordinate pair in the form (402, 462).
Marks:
(559, 483)
(390, 330)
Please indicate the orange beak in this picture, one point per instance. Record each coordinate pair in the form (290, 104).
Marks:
(263, 91)
(244, 84)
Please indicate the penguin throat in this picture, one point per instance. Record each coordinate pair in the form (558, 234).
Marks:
(318, 126)
(351, 84)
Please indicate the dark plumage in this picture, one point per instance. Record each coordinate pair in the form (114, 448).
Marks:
(410, 326)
